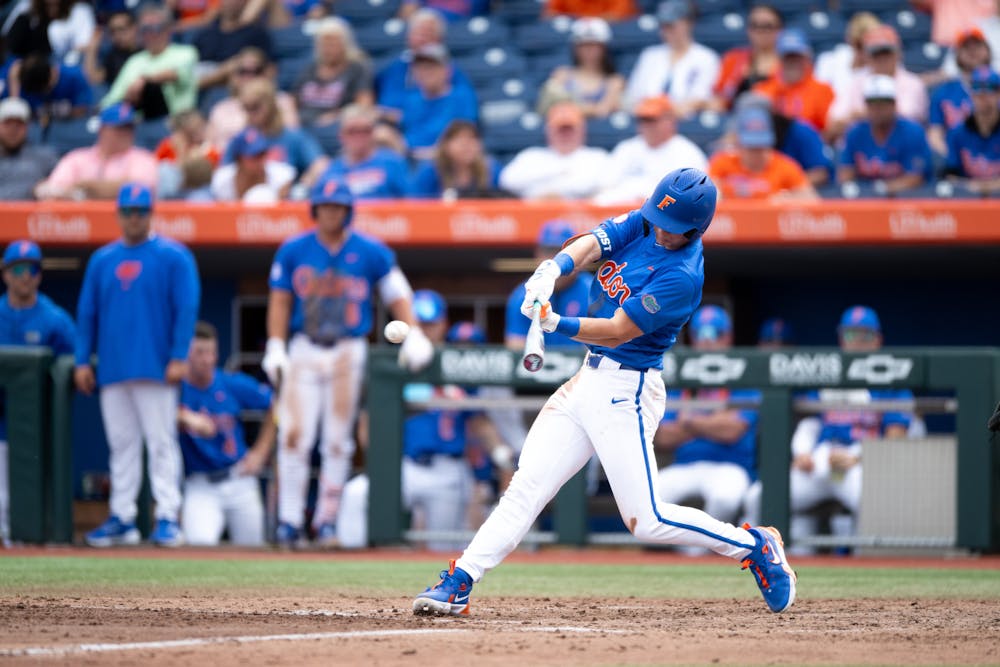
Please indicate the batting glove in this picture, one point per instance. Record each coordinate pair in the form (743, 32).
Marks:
(548, 318)
(416, 351)
(276, 362)
(540, 286)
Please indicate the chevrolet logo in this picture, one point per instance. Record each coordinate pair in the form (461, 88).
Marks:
(713, 369)
(880, 369)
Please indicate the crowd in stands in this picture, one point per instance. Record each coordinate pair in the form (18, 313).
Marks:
(254, 100)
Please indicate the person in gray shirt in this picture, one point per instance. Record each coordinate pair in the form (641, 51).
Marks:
(21, 166)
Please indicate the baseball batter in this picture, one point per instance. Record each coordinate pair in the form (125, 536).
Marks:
(318, 314)
(647, 286)
(137, 309)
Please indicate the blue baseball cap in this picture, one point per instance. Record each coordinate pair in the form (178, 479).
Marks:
(429, 306)
(555, 233)
(466, 332)
(672, 11)
(710, 323)
(754, 128)
(135, 195)
(22, 251)
(793, 42)
(249, 142)
(117, 115)
(984, 79)
(860, 317)
(775, 330)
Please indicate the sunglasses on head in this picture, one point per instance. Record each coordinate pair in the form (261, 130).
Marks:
(25, 269)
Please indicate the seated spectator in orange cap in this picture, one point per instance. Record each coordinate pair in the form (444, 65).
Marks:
(609, 10)
(743, 67)
(793, 90)
(755, 170)
(566, 168)
(638, 163)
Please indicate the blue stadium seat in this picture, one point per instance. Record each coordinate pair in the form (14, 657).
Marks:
(475, 34)
(923, 57)
(721, 32)
(635, 35)
(709, 7)
(608, 132)
(544, 36)
(360, 12)
(913, 27)
(849, 7)
(791, 7)
(625, 62)
(705, 129)
(289, 71)
(491, 65)
(518, 12)
(516, 135)
(506, 101)
(824, 30)
(540, 67)
(36, 134)
(210, 97)
(326, 137)
(290, 42)
(149, 133)
(381, 39)
(67, 135)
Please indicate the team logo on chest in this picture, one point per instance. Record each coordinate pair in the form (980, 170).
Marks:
(610, 277)
(127, 271)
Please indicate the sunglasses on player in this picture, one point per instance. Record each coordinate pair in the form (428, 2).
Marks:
(25, 269)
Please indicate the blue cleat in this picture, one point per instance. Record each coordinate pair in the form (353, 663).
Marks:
(287, 536)
(775, 577)
(448, 597)
(326, 536)
(112, 533)
(167, 533)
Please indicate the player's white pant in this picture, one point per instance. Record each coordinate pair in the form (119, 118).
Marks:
(440, 490)
(209, 507)
(613, 413)
(806, 490)
(721, 486)
(320, 396)
(4, 496)
(133, 412)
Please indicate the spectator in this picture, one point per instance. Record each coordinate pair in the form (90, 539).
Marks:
(459, 167)
(592, 81)
(123, 36)
(221, 490)
(755, 170)
(22, 166)
(608, 10)
(223, 39)
(680, 67)
(54, 91)
(60, 28)
(27, 317)
(715, 449)
(253, 177)
(565, 168)
(449, 9)
(434, 102)
(637, 164)
(838, 66)
(951, 103)
(395, 80)
(98, 172)
(882, 46)
(341, 75)
(287, 145)
(370, 172)
(886, 150)
(991, 30)
(743, 67)
(775, 334)
(974, 145)
(793, 90)
(159, 80)
(950, 16)
(186, 158)
(227, 117)
(137, 310)
(193, 14)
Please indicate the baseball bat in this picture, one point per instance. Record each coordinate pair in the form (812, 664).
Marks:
(534, 344)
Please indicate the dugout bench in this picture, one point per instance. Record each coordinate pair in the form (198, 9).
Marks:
(973, 374)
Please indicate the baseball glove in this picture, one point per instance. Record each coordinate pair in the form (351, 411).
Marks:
(994, 422)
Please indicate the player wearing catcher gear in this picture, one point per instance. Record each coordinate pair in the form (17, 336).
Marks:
(137, 309)
(319, 313)
(647, 286)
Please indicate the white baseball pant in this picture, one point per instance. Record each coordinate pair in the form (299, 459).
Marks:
(321, 394)
(721, 486)
(233, 503)
(133, 412)
(4, 496)
(614, 413)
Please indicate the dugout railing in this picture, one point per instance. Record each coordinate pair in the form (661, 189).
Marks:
(970, 375)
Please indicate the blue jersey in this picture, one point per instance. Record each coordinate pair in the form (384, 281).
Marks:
(847, 426)
(951, 104)
(657, 288)
(452, 10)
(395, 80)
(972, 155)
(222, 400)
(294, 147)
(45, 324)
(137, 309)
(803, 144)
(332, 293)
(382, 176)
(571, 301)
(905, 151)
(743, 452)
(424, 119)
(436, 431)
(71, 91)
(426, 183)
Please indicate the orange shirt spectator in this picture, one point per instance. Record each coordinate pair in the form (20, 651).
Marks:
(609, 10)
(743, 67)
(793, 90)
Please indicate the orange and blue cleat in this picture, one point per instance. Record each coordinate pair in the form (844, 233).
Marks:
(770, 568)
(448, 597)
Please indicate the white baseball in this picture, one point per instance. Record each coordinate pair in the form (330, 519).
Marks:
(396, 331)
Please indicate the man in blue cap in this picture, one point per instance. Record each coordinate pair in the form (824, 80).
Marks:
(137, 311)
(27, 317)
(793, 89)
(974, 145)
(775, 333)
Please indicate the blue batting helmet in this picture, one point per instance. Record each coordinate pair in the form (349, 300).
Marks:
(429, 306)
(683, 201)
(332, 190)
(466, 332)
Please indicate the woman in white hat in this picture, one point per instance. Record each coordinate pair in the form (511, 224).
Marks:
(592, 81)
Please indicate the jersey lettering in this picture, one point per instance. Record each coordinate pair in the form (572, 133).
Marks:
(307, 283)
(665, 202)
(610, 278)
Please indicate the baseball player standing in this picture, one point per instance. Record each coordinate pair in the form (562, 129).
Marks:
(221, 489)
(648, 284)
(27, 317)
(137, 310)
(318, 314)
